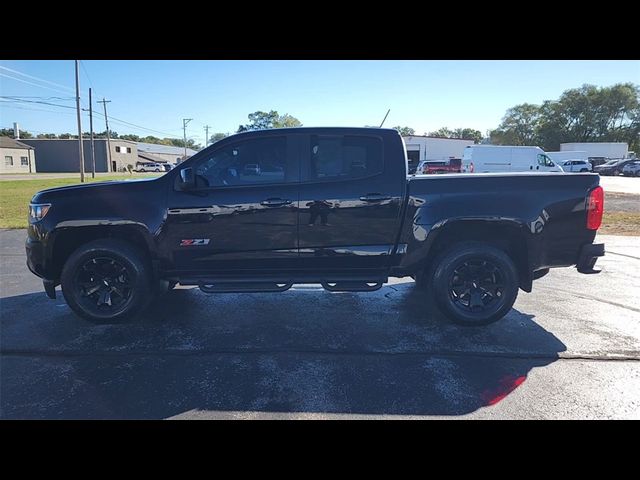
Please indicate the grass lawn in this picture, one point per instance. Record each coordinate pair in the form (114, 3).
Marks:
(16, 194)
(620, 223)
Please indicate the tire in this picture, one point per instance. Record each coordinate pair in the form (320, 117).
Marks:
(616, 173)
(157, 170)
(584, 170)
(476, 300)
(638, 173)
(112, 266)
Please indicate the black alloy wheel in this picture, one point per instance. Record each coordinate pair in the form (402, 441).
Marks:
(107, 281)
(104, 285)
(474, 283)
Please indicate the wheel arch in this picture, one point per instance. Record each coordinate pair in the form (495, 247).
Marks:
(511, 236)
(65, 241)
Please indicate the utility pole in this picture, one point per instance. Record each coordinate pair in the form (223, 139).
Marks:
(93, 148)
(206, 139)
(185, 122)
(80, 146)
(106, 122)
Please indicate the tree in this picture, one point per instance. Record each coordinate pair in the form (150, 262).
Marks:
(131, 136)
(262, 120)
(405, 131)
(443, 132)
(8, 132)
(592, 114)
(462, 133)
(217, 137)
(519, 126)
(585, 114)
(47, 135)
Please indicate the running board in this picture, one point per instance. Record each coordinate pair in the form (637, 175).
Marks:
(280, 284)
(243, 287)
(346, 286)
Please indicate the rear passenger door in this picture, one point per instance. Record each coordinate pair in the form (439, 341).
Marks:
(349, 203)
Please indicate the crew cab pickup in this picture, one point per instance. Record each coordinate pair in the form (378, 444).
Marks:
(329, 206)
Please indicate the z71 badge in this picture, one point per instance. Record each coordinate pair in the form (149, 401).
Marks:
(194, 241)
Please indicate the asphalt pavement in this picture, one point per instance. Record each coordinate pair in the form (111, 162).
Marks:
(570, 349)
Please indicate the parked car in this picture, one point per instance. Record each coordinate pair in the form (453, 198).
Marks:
(251, 169)
(612, 167)
(576, 166)
(497, 158)
(148, 167)
(470, 241)
(167, 166)
(632, 169)
(453, 165)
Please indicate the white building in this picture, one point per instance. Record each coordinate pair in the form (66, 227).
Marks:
(599, 150)
(166, 153)
(421, 147)
(17, 157)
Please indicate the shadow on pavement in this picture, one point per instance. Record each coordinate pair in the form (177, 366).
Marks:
(303, 351)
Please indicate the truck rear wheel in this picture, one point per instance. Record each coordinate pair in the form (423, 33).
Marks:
(474, 283)
(106, 281)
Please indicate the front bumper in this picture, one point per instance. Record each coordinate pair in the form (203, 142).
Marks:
(588, 256)
(35, 263)
(35, 257)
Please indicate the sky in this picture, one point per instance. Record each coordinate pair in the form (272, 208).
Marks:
(156, 95)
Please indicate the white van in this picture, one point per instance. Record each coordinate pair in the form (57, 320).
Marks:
(498, 158)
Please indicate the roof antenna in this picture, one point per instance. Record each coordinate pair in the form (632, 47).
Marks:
(385, 117)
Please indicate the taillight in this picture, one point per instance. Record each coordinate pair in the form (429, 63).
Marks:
(595, 208)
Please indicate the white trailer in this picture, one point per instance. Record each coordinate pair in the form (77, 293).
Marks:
(559, 157)
(434, 149)
(599, 150)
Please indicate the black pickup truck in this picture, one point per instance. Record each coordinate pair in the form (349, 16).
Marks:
(260, 211)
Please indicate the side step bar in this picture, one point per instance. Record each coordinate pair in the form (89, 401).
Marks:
(279, 284)
(243, 287)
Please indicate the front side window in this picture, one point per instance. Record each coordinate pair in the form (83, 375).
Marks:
(345, 157)
(24, 161)
(8, 161)
(252, 162)
(545, 161)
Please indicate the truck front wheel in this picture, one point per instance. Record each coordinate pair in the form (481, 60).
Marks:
(106, 281)
(474, 283)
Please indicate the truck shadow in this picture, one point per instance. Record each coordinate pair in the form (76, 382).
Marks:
(302, 352)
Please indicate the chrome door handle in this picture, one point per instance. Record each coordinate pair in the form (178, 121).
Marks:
(275, 202)
(374, 197)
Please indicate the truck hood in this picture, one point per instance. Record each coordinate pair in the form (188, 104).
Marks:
(117, 187)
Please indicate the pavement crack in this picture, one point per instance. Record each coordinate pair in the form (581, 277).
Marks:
(622, 255)
(628, 356)
(590, 297)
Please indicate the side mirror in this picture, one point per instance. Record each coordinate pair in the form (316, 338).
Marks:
(187, 179)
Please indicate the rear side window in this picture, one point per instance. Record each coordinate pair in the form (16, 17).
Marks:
(345, 157)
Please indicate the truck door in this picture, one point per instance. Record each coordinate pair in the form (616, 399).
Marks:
(243, 213)
(350, 201)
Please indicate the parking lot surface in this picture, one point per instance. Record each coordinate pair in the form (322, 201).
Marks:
(570, 349)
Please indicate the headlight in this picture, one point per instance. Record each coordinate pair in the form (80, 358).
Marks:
(37, 211)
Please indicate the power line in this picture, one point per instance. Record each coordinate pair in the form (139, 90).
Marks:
(112, 118)
(31, 83)
(36, 78)
(13, 100)
(16, 107)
